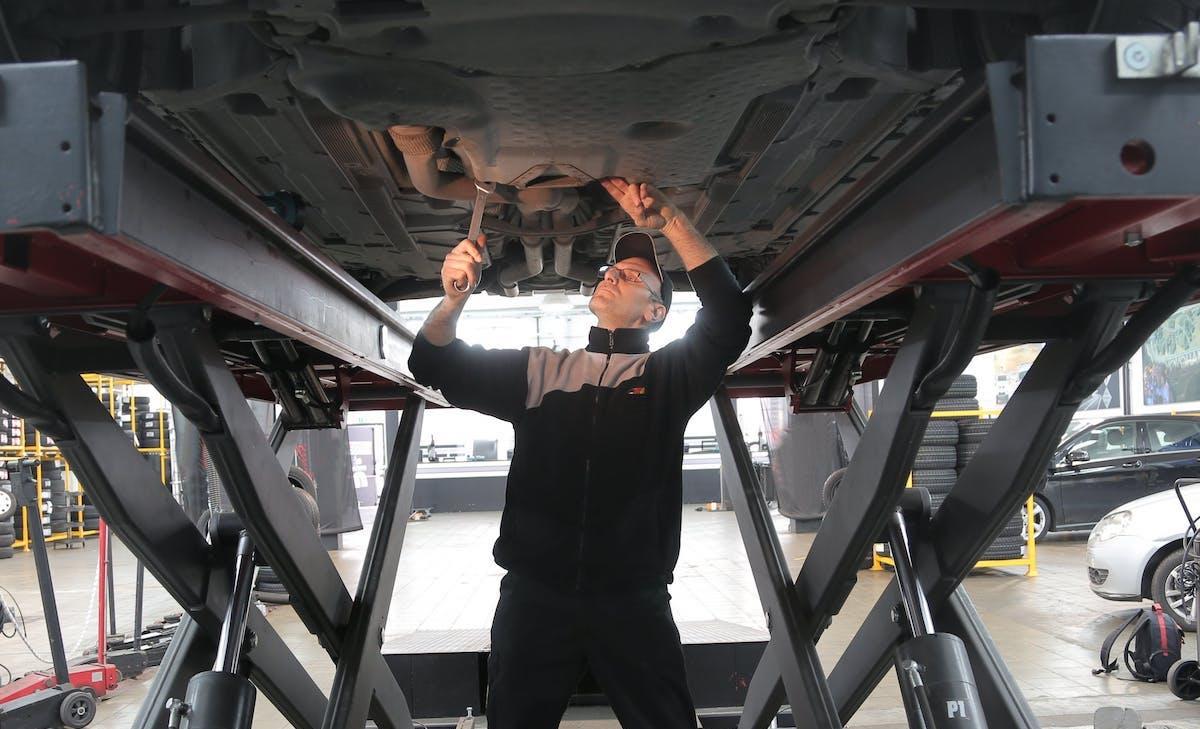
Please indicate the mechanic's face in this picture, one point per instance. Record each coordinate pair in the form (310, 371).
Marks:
(622, 301)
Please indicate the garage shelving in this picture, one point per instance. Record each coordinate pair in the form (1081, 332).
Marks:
(117, 394)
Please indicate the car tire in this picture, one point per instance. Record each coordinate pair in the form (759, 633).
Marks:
(937, 481)
(935, 457)
(829, 489)
(973, 431)
(940, 432)
(8, 503)
(1043, 519)
(965, 452)
(1163, 590)
(963, 386)
(956, 404)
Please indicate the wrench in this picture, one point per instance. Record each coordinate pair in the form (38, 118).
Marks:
(482, 190)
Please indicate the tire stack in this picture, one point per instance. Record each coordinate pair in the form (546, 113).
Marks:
(933, 468)
(8, 510)
(153, 429)
(971, 433)
(131, 407)
(270, 589)
(10, 429)
(54, 494)
(91, 516)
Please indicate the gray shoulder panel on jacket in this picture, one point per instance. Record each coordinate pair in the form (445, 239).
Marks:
(553, 370)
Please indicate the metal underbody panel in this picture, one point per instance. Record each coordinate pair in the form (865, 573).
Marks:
(155, 259)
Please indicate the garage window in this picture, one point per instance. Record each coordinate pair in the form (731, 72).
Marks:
(1173, 435)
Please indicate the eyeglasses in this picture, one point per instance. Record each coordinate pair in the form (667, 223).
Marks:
(630, 275)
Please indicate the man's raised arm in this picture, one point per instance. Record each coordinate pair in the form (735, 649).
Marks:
(491, 381)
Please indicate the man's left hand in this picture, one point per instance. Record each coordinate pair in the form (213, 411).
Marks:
(644, 203)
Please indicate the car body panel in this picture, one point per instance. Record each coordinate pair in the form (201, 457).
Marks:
(1158, 521)
(1138, 463)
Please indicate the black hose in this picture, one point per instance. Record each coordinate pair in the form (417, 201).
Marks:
(963, 347)
(153, 364)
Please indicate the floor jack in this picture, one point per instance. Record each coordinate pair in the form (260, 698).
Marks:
(63, 697)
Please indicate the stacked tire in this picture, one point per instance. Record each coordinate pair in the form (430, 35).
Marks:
(8, 510)
(152, 428)
(934, 467)
(132, 407)
(91, 515)
(10, 429)
(270, 590)
(54, 494)
(1010, 544)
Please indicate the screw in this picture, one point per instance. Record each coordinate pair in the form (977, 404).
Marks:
(1137, 57)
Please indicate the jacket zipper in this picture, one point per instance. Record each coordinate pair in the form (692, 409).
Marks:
(587, 466)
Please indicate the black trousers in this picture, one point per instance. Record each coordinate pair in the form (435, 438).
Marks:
(542, 639)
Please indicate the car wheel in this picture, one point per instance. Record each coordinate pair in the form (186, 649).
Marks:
(8, 503)
(1175, 589)
(1043, 522)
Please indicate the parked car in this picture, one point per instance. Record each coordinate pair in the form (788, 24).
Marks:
(1113, 462)
(1136, 552)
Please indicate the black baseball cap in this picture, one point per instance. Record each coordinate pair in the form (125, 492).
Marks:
(636, 244)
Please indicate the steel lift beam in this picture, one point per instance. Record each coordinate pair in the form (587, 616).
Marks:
(135, 252)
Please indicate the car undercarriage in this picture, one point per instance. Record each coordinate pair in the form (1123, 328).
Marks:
(222, 198)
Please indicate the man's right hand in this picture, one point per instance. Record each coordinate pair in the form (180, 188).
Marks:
(463, 266)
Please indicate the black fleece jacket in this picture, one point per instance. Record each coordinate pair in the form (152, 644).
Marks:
(594, 493)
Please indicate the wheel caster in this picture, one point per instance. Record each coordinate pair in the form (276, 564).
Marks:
(77, 709)
(1184, 679)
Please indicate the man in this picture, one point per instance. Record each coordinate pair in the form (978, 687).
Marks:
(590, 530)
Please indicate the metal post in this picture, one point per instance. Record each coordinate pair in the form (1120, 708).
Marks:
(800, 668)
(102, 569)
(352, 692)
(110, 586)
(138, 605)
(28, 491)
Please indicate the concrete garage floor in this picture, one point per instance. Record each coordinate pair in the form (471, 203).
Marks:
(1048, 628)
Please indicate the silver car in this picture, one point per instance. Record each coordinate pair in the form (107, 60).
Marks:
(1136, 552)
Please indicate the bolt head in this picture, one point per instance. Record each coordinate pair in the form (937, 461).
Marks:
(1137, 57)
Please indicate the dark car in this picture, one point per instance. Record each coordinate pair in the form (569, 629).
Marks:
(1112, 463)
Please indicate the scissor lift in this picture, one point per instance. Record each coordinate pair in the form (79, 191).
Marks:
(127, 250)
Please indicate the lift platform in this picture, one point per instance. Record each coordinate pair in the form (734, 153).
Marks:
(1054, 201)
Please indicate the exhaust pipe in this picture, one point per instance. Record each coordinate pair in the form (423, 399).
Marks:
(419, 146)
(564, 258)
(513, 272)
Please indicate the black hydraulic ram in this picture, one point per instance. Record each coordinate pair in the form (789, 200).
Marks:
(936, 681)
(223, 698)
